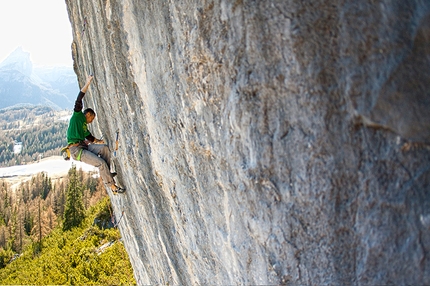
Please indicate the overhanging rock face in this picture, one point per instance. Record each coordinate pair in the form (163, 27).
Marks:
(260, 142)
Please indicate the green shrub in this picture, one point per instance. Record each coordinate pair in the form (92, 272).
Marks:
(73, 257)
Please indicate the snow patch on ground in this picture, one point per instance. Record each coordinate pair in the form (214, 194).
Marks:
(53, 166)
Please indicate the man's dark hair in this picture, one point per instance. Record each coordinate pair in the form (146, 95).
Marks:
(90, 111)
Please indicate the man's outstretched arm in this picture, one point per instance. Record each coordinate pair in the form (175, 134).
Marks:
(78, 103)
(87, 84)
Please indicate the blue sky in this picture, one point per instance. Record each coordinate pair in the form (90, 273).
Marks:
(40, 27)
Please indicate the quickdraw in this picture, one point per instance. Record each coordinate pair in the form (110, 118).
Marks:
(116, 143)
(122, 214)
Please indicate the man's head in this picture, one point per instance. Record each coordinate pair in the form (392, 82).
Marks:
(89, 115)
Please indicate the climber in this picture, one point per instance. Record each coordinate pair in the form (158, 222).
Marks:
(85, 147)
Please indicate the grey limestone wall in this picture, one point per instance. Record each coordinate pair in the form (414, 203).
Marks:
(265, 142)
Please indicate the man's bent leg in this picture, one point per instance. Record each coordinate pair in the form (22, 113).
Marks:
(102, 150)
(92, 159)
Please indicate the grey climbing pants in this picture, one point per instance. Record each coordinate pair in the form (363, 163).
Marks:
(97, 155)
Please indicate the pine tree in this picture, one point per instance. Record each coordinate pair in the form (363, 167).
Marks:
(20, 227)
(28, 221)
(13, 225)
(74, 211)
(39, 221)
(40, 228)
(59, 199)
(3, 236)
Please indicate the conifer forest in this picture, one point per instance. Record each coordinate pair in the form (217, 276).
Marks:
(54, 230)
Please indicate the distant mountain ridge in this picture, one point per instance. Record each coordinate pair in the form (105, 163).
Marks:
(21, 83)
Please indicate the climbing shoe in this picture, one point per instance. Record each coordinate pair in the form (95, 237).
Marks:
(118, 190)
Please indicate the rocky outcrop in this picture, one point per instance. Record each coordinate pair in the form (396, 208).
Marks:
(261, 141)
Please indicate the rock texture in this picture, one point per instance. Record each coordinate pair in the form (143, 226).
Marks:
(261, 141)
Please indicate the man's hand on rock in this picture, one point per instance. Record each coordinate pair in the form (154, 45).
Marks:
(89, 78)
(99, 141)
(87, 84)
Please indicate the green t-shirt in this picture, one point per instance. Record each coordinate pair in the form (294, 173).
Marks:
(78, 128)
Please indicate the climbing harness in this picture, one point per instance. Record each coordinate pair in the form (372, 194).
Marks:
(78, 158)
(65, 152)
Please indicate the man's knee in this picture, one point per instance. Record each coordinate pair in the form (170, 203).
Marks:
(105, 152)
(92, 159)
